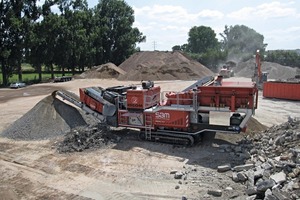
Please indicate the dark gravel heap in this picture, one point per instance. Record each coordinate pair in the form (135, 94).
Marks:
(87, 137)
(47, 119)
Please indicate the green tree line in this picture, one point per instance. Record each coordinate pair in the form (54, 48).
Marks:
(238, 43)
(73, 38)
(284, 57)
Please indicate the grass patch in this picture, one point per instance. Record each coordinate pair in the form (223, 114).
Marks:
(32, 77)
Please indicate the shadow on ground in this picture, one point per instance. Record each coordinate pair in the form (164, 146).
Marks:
(207, 153)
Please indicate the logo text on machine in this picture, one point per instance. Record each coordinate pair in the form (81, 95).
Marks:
(162, 115)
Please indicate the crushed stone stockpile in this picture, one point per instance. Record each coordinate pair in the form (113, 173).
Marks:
(155, 65)
(48, 118)
(87, 137)
(272, 162)
(105, 71)
(276, 71)
(255, 126)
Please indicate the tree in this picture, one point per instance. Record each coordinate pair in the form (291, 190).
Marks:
(16, 17)
(241, 42)
(72, 45)
(114, 33)
(202, 39)
(283, 57)
(203, 46)
(179, 47)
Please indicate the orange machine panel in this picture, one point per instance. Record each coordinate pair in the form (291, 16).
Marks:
(143, 98)
(90, 102)
(282, 90)
(181, 98)
(230, 94)
(172, 118)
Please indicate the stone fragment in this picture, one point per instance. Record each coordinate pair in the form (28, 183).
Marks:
(228, 188)
(224, 168)
(215, 192)
(279, 177)
(262, 159)
(177, 187)
(251, 191)
(235, 177)
(258, 173)
(242, 177)
(173, 172)
(264, 185)
(243, 167)
(279, 140)
(253, 151)
(253, 197)
(178, 175)
(280, 195)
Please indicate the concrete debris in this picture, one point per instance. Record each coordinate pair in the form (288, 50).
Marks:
(178, 175)
(264, 185)
(242, 177)
(279, 177)
(224, 168)
(215, 192)
(243, 167)
(81, 138)
(272, 169)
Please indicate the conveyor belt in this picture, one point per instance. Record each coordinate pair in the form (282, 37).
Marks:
(74, 99)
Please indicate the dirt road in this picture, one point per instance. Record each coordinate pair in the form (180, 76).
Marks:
(131, 169)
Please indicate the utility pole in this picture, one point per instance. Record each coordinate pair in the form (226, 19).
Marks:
(154, 45)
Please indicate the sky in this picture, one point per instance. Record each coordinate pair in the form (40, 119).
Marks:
(166, 23)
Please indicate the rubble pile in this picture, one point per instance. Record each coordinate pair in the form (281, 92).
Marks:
(85, 137)
(272, 166)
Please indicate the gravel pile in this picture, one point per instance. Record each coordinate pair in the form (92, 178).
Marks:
(105, 71)
(272, 160)
(86, 137)
(47, 119)
(157, 65)
(275, 70)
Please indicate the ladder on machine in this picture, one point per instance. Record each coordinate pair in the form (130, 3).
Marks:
(148, 126)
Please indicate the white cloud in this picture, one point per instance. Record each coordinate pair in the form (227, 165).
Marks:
(275, 9)
(169, 25)
(211, 14)
(278, 38)
(265, 11)
(175, 14)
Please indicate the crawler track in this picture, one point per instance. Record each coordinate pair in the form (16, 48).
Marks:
(172, 138)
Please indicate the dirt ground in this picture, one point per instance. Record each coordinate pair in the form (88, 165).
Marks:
(131, 169)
